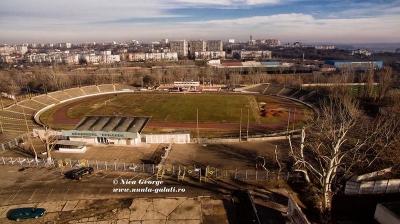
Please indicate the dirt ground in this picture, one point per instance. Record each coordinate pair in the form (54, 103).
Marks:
(122, 154)
(226, 156)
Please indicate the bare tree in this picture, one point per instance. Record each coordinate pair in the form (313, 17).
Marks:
(369, 88)
(334, 143)
(385, 80)
(48, 138)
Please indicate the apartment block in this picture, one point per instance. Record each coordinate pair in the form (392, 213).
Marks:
(215, 45)
(197, 46)
(179, 46)
(209, 55)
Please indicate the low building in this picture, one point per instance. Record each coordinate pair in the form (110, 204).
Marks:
(356, 65)
(115, 130)
(208, 55)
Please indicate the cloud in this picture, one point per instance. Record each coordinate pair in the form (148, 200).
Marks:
(154, 19)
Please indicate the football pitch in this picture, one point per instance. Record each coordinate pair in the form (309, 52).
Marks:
(213, 109)
(181, 108)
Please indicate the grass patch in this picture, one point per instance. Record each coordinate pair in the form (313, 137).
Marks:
(163, 107)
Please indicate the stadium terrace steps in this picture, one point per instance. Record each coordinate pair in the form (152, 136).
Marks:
(106, 88)
(12, 114)
(89, 90)
(75, 92)
(31, 104)
(22, 110)
(288, 91)
(59, 96)
(273, 89)
(258, 89)
(45, 99)
(300, 93)
(121, 87)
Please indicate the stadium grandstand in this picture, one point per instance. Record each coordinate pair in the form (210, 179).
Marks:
(60, 96)
(273, 89)
(74, 92)
(90, 90)
(45, 99)
(19, 117)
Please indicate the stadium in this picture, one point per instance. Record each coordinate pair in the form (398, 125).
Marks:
(253, 111)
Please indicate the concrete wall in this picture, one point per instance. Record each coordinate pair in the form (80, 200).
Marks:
(167, 138)
(385, 216)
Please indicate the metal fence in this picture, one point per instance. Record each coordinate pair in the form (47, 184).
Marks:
(158, 170)
(14, 142)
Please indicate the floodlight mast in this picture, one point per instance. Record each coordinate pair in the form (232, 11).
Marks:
(240, 125)
(198, 134)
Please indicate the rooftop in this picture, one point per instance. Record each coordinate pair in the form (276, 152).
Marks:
(112, 123)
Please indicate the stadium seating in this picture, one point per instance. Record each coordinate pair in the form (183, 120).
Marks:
(75, 92)
(59, 95)
(300, 94)
(20, 109)
(29, 103)
(273, 89)
(12, 115)
(259, 89)
(121, 87)
(288, 91)
(89, 90)
(106, 88)
(45, 99)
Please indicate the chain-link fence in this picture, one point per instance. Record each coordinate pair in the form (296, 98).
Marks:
(159, 170)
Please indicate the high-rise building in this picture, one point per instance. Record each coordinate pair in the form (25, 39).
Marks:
(215, 45)
(179, 46)
(197, 46)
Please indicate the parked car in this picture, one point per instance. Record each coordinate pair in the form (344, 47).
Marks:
(79, 173)
(27, 213)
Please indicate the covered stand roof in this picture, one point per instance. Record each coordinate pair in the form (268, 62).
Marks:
(112, 123)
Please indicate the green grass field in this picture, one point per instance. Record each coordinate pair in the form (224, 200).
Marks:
(212, 108)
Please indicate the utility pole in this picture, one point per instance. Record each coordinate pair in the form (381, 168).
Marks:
(288, 121)
(248, 121)
(198, 134)
(240, 131)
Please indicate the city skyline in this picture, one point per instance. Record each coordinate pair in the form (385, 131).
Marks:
(350, 21)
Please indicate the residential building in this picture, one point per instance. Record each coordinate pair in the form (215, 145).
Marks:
(251, 55)
(179, 46)
(208, 55)
(272, 42)
(197, 46)
(137, 57)
(215, 45)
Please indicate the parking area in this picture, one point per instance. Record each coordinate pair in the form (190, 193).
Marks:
(63, 197)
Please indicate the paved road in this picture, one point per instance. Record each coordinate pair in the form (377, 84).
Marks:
(42, 184)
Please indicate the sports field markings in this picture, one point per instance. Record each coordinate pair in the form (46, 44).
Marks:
(173, 109)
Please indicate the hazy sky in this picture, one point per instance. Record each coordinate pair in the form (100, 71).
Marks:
(308, 21)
